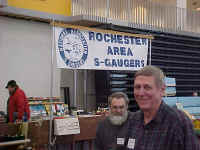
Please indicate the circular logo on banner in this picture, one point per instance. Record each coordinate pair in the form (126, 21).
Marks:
(73, 47)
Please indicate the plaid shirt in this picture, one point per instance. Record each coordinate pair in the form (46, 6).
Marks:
(171, 129)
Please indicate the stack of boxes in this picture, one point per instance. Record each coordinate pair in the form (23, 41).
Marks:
(170, 86)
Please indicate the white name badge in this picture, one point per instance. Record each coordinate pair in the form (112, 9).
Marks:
(120, 141)
(131, 143)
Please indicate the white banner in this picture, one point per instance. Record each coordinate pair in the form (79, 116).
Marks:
(78, 49)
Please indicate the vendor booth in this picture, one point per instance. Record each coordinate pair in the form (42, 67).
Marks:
(55, 122)
(66, 70)
(83, 48)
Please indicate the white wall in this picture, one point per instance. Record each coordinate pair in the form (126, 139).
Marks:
(67, 80)
(25, 56)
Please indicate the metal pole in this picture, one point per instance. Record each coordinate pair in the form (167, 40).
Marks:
(85, 90)
(75, 88)
(51, 87)
(129, 11)
(150, 52)
(107, 8)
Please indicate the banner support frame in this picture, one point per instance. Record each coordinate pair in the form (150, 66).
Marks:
(51, 143)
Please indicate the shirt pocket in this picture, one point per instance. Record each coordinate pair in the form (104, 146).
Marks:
(157, 140)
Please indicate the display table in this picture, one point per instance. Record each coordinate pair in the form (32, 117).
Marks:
(39, 132)
(87, 132)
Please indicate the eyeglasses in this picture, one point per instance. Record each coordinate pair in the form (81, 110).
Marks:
(118, 107)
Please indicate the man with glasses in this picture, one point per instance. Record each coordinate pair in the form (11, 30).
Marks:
(111, 132)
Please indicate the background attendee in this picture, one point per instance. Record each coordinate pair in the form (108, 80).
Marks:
(112, 131)
(157, 126)
(18, 107)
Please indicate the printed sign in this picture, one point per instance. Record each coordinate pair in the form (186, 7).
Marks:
(79, 49)
(131, 143)
(66, 126)
(120, 141)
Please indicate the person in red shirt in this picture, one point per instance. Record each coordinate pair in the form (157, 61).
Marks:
(18, 107)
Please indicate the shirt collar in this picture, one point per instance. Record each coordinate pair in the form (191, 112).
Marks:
(158, 117)
(160, 113)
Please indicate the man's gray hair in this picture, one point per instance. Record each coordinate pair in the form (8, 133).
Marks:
(118, 95)
(156, 72)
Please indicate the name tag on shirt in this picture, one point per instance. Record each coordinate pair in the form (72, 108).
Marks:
(120, 141)
(131, 143)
